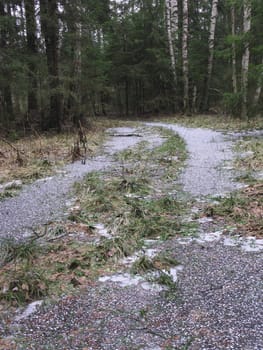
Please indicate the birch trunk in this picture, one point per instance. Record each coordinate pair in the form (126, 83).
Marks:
(185, 56)
(211, 45)
(234, 55)
(172, 32)
(170, 38)
(245, 57)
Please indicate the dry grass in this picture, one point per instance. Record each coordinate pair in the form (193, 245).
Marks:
(219, 122)
(37, 155)
(70, 256)
(243, 210)
(254, 159)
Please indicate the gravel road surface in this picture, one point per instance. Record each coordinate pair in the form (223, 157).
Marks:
(46, 199)
(207, 171)
(218, 301)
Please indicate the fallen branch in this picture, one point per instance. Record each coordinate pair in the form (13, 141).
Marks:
(56, 238)
(125, 135)
(19, 159)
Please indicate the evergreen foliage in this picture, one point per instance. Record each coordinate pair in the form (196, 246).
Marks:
(62, 61)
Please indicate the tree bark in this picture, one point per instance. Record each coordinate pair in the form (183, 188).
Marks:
(234, 55)
(6, 100)
(74, 28)
(172, 32)
(50, 29)
(245, 57)
(259, 86)
(211, 45)
(185, 56)
(32, 50)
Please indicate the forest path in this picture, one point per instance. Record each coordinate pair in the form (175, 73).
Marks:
(45, 200)
(207, 171)
(217, 302)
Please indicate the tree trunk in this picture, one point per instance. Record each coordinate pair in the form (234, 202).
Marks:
(32, 107)
(259, 86)
(73, 23)
(170, 32)
(245, 57)
(6, 98)
(50, 29)
(185, 56)
(234, 59)
(211, 45)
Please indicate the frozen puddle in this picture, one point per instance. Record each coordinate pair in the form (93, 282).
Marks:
(247, 244)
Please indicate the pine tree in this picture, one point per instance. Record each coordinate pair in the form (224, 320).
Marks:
(50, 30)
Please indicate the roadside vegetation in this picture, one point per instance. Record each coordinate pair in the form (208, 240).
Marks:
(34, 156)
(132, 203)
(217, 122)
(243, 209)
(115, 212)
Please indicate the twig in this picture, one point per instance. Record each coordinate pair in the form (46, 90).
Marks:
(19, 159)
(58, 237)
(9, 144)
(125, 135)
(2, 155)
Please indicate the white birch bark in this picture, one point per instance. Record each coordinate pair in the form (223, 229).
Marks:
(245, 57)
(185, 56)
(172, 32)
(234, 55)
(211, 45)
(170, 36)
(174, 20)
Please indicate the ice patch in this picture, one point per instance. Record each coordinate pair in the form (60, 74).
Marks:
(11, 185)
(148, 242)
(204, 220)
(124, 279)
(174, 272)
(150, 253)
(127, 280)
(31, 308)
(102, 231)
(247, 244)
(209, 237)
(252, 244)
(45, 179)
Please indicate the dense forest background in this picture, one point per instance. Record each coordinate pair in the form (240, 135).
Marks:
(63, 61)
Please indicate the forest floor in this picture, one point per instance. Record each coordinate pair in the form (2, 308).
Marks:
(160, 246)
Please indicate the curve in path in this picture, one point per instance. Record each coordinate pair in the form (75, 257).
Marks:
(46, 199)
(206, 172)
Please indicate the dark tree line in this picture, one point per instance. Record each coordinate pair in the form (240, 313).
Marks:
(62, 61)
